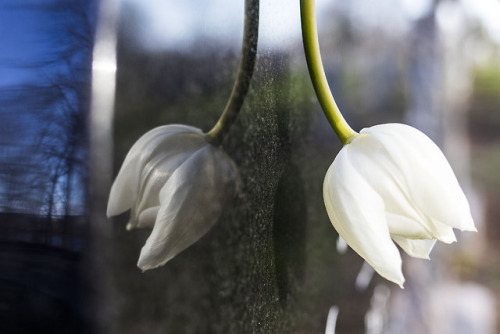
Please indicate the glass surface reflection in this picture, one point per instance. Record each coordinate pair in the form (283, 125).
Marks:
(435, 66)
(44, 98)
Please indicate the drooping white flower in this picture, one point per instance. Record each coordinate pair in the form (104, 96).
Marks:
(176, 182)
(392, 183)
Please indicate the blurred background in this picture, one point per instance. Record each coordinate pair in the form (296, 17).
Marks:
(82, 80)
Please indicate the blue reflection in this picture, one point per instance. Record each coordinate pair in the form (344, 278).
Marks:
(44, 92)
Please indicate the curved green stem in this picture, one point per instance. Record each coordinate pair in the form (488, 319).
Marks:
(317, 73)
(244, 76)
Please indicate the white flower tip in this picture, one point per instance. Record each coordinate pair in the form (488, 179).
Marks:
(393, 274)
(420, 256)
(149, 259)
(400, 280)
(115, 208)
(448, 239)
(147, 262)
(119, 200)
(467, 224)
(143, 270)
(144, 265)
(470, 228)
(110, 212)
(395, 277)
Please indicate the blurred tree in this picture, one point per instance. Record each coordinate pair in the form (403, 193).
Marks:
(44, 168)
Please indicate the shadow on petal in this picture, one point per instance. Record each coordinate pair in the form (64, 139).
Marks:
(190, 204)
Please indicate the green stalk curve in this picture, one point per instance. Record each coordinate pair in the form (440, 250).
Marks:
(244, 76)
(315, 66)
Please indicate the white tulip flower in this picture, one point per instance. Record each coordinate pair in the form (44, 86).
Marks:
(176, 182)
(177, 179)
(389, 184)
(392, 183)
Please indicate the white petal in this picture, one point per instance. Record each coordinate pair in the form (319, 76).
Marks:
(429, 178)
(191, 203)
(357, 213)
(408, 228)
(146, 218)
(371, 160)
(416, 248)
(175, 150)
(125, 189)
(443, 233)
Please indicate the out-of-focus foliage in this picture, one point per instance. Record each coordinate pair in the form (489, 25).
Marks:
(485, 126)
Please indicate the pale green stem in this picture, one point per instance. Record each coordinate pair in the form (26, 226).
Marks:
(244, 76)
(317, 73)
